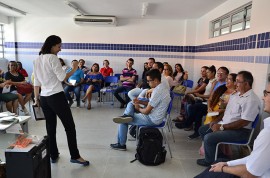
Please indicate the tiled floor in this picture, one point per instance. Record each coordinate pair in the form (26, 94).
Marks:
(95, 131)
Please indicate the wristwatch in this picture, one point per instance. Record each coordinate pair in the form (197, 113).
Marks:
(221, 128)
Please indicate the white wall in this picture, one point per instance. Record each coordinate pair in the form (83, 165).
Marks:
(259, 24)
(138, 31)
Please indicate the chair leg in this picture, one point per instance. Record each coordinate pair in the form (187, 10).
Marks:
(170, 128)
(166, 141)
(216, 153)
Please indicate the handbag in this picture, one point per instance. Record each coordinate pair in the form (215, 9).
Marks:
(179, 89)
(24, 88)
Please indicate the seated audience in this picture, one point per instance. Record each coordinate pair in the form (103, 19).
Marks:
(150, 115)
(15, 79)
(10, 99)
(192, 99)
(134, 93)
(200, 88)
(235, 125)
(21, 70)
(106, 70)
(128, 79)
(73, 84)
(82, 66)
(93, 81)
(168, 73)
(179, 75)
(146, 93)
(198, 110)
(254, 165)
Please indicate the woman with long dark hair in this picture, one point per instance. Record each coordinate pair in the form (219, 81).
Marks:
(49, 75)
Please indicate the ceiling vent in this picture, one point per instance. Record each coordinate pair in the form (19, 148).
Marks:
(95, 20)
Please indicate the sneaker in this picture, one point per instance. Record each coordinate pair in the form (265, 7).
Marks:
(25, 111)
(202, 162)
(122, 119)
(195, 135)
(70, 103)
(117, 146)
(122, 105)
(54, 160)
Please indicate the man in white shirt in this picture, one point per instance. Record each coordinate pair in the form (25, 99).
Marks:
(235, 126)
(257, 163)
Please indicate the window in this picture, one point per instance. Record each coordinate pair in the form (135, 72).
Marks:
(234, 21)
(1, 41)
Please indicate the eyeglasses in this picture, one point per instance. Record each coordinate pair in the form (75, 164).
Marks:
(220, 73)
(265, 93)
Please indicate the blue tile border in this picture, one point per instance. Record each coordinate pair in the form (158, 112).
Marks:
(261, 40)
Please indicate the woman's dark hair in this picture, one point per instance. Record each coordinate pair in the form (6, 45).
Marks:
(181, 69)
(144, 68)
(95, 64)
(14, 63)
(62, 61)
(49, 43)
(160, 66)
(217, 94)
(19, 64)
(212, 69)
(220, 91)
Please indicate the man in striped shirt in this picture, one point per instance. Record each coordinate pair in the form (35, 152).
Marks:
(128, 79)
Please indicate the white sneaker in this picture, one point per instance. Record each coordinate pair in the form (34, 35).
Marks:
(25, 111)
(122, 119)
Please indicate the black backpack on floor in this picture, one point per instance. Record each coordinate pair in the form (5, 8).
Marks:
(150, 149)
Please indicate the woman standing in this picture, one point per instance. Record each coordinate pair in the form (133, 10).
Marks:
(49, 74)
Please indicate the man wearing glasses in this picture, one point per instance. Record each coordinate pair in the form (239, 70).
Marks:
(152, 114)
(254, 165)
(235, 125)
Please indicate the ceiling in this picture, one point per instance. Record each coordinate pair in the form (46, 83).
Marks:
(130, 9)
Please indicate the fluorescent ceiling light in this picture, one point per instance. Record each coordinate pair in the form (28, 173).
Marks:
(144, 8)
(74, 7)
(12, 8)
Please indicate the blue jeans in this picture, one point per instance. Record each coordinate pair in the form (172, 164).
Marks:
(195, 114)
(211, 139)
(138, 119)
(75, 89)
(134, 93)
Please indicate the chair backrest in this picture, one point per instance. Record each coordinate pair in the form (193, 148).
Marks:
(111, 79)
(255, 122)
(188, 83)
(118, 76)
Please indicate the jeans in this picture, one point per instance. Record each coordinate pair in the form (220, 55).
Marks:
(138, 119)
(75, 89)
(195, 114)
(134, 93)
(211, 139)
(120, 90)
(56, 105)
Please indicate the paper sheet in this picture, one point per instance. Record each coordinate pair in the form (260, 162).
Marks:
(212, 113)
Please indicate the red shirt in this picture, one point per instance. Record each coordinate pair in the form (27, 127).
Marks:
(106, 71)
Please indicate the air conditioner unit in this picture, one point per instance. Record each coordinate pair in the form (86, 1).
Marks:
(94, 20)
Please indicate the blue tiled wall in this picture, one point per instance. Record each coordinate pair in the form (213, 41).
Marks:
(262, 40)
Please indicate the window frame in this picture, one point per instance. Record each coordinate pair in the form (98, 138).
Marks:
(229, 15)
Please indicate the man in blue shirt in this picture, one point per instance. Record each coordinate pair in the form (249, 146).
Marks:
(74, 84)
